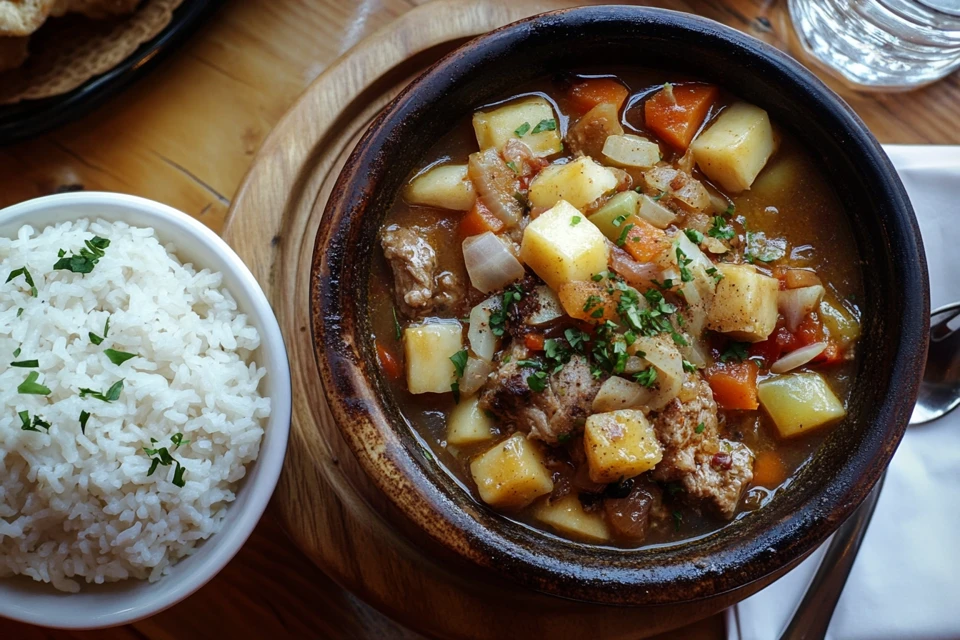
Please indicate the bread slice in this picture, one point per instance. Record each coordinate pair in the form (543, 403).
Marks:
(96, 9)
(13, 52)
(23, 17)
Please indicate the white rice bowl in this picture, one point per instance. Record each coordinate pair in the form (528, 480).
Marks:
(78, 507)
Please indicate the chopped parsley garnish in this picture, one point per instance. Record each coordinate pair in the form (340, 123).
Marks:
(659, 195)
(23, 271)
(619, 220)
(695, 236)
(112, 394)
(700, 428)
(736, 351)
(622, 239)
(730, 209)
(545, 125)
(764, 249)
(597, 277)
(27, 425)
(178, 441)
(647, 377)
(689, 367)
(30, 386)
(575, 220)
(459, 360)
(84, 416)
(522, 129)
(19, 312)
(513, 167)
(397, 331)
(26, 364)
(16, 352)
(717, 276)
(684, 263)
(161, 457)
(677, 520)
(537, 381)
(118, 357)
(106, 328)
(720, 229)
(564, 438)
(86, 260)
(591, 302)
(522, 200)
(94, 338)
(498, 319)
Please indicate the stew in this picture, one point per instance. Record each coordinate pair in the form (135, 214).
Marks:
(619, 308)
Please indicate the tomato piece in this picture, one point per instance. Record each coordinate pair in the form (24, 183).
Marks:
(786, 340)
(676, 120)
(587, 94)
(768, 351)
(389, 363)
(533, 341)
(810, 330)
(831, 355)
(734, 384)
(479, 220)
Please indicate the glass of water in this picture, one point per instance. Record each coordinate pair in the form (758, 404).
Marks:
(881, 45)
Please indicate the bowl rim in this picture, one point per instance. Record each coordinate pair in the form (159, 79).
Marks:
(400, 472)
(259, 485)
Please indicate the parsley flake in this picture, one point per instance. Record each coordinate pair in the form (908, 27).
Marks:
(112, 394)
(84, 416)
(575, 220)
(522, 129)
(545, 125)
(720, 229)
(736, 351)
(118, 357)
(26, 364)
(700, 428)
(31, 387)
(86, 260)
(23, 271)
(647, 377)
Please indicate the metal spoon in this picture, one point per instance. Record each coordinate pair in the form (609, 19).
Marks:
(939, 395)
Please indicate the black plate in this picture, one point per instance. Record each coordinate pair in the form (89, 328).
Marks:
(33, 117)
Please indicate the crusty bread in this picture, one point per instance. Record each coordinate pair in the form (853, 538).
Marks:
(13, 51)
(23, 17)
(96, 9)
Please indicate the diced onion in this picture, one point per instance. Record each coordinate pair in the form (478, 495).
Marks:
(655, 213)
(795, 304)
(694, 354)
(631, 151)
(691, 251)
(489, 263)
(548, 307)
(618, 393)
(474, 375)
(482, 340)
(634, 364)
(663, 356)
(638, 274)
(798, 357)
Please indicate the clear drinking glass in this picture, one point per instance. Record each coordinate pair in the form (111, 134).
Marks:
(881, 45)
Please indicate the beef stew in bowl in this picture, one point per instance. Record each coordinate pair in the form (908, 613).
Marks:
(607, 305)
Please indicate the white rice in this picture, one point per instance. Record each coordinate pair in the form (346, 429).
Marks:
(77, 507)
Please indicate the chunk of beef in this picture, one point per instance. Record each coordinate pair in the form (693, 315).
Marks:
(420, 288)
(710, 470)
(554, 414)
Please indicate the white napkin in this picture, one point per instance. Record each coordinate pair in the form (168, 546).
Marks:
(905, 583)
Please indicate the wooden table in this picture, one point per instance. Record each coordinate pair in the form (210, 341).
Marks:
(185, 136)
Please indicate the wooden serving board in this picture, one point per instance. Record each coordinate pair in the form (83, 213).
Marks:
(328, 506)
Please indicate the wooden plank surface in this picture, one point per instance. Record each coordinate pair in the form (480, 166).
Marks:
(185, 135)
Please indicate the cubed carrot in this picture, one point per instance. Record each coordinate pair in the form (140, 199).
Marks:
(589, 93)
(769, 470)
(734, 384)
(389, 362)
(479, 220)
(676, 112)
(588, 301)
(642, 240)
(533, 341)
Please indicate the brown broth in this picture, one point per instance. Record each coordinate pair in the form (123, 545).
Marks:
(791, 199)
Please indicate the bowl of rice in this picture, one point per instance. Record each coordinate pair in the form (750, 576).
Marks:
(144, 408)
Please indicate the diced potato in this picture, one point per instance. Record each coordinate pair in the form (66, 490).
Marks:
(735, 147)
(745, 305)
(511, 475)
(446, 187)
(567, 516)
(610, 217)
(519, 120)
(468, 424)
(840, 323)
(588, 301)
(620, 444)
(619, 393)
(428, 348)
(631, 151)
(563, 245)
(579, 182)
(661, 352)
(799, 403)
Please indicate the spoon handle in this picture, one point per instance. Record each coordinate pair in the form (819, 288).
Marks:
(813, 615)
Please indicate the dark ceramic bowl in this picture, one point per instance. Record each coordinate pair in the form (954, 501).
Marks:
(893, 347)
